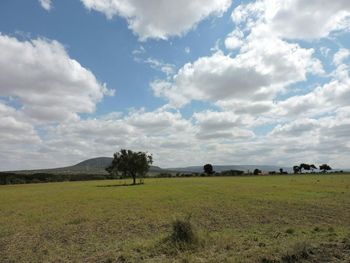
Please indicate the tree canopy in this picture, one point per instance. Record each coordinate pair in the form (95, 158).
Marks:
(130, 164)
(208, 168)
(257, 171)
(325, 167)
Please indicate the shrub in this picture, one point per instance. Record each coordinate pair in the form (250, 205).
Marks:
(183, 232)
(290, 231)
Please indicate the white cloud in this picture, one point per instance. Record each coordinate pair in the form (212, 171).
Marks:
(340, 56)
(295, 19)
(209, 136)
(263, 67)
(157, 18)
(234, 40)
(156, 64)
(45, 81)
(221, 126)
(323, 99)
(42, 87)
(46, 4)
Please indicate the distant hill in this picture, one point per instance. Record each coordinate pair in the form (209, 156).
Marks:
(220, 168)
(98, 165)
(90, 166)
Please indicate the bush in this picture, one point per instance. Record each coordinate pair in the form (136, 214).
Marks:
(183, 232)
(232, 173)
(290, 231)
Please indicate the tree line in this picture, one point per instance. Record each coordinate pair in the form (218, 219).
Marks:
(298, 169)
(130, 164)
(16, 178)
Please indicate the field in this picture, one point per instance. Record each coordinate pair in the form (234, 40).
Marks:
(238, 219)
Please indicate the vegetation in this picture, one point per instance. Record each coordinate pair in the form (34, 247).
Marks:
(236, 219)
(296, 169)
(231, 173)
(307, 167)
(130, 164)
(325, 168)
(16, 178)
(208, 169)
(183, 232)
(257, 171)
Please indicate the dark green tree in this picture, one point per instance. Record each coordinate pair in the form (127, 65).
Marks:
(312, 167)
(304, 166)
(130, 164)
(208, 169)
(296, 169)
(257, 171)
(325, 168)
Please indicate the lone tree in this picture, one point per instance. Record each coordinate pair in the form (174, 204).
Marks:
(325, 168)
(130, 164)
(208, 168)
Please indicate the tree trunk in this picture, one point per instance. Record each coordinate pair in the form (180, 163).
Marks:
(134, 179)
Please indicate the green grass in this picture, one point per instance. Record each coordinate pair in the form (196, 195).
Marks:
(238, 219)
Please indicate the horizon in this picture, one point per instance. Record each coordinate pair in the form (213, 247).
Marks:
(289, 167)
(219, 81)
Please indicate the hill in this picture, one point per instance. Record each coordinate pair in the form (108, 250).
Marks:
(97, 166)
(91, 166)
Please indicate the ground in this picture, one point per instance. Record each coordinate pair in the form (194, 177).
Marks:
(299, 218)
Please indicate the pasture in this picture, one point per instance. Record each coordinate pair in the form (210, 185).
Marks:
(238, 219)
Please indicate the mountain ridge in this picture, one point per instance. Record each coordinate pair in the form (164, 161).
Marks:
(98, 165)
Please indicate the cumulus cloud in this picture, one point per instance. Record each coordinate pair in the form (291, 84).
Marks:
(221, 126)
(45, 81)
(295, 19)
(340, 56)
(14, 130)
(46, 4)
(263, 67)
(158, 132)
(234, 40)
(41, 88)
(157, 18)
(323, 99)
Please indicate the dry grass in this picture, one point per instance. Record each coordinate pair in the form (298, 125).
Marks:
(238, 219)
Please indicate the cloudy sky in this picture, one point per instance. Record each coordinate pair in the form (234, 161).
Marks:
(219, 81)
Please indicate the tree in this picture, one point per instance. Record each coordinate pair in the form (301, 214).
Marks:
(257, 171)
(296, 169)
(281, 171)
(208, 168)
(313, 167)
(304, 166)
(325, 168)
(130, 164)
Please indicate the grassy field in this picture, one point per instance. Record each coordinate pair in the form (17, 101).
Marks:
(238, 219)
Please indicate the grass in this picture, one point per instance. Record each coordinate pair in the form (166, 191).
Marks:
(237, 219)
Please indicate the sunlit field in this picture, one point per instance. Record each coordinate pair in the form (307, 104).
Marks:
(237, 219)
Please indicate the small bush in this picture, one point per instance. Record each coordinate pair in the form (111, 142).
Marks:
(317, 229)
(298, 253)
(290, 231)
(183, 232)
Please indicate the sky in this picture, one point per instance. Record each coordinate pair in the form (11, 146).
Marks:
(191, 82)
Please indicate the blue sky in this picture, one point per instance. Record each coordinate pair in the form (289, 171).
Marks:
(225, 82)
(106, 46)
